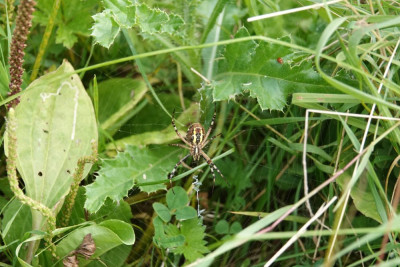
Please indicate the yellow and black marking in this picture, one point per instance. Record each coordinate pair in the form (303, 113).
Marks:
(196, 139)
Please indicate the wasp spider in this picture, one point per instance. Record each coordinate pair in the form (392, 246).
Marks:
(196, 139)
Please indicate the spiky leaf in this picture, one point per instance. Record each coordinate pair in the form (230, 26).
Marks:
(253, 67)
(133, 166)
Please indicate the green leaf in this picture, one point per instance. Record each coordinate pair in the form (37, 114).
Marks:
(311, 149)
(222, 227)
(155, 134)
(72, 20)
(186, 240)
(116, 110)
(65, 36)
(253, 67)
(177, 198)
(133, 166)
(242, 237)
(105, 28)
(162, 211)
(123, 11)
(194, 246)
(106, 235)
(17, 221)
(167, 236)
(123, 14)
(158, 229)
(171, 241)
(56, 127)
(186, 213)
(235, 228)
(362, 195)
(153, 21)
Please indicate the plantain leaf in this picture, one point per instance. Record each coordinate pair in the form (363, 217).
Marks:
(55, 127)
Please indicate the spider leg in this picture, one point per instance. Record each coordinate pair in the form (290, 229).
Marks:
(211, 124)
(212, 138)
(172, 173)
(212, 168)
(176, 129)
(186, 147)
(180, 145)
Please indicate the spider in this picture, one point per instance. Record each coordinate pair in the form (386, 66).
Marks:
(196, 139)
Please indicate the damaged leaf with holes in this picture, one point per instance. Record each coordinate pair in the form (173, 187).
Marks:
(134, 166)
(55, 127)
(253, 67)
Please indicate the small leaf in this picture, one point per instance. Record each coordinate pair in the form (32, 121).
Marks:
(222, 227)
(177, 198)
(162, 211)
(171, 241)
(65, 36)
(362, 196)
(105, 29)
(235, 228)
(158, 228)
(194, 246)
(186, 213)
(167, 236)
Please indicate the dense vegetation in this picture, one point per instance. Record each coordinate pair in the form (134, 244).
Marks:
(304, 146)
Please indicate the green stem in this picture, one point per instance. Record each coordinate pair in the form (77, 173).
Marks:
(78, 176)
(45, 40)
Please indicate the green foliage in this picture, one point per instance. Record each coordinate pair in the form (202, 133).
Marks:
(125, 14)
(69, 24)
(253, 67)
(223, 227)
(187, 237)
(134, 166)
(110, 234)
(262, 76)
(58, 115)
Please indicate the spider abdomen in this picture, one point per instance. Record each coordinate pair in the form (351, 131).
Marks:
(195, 134)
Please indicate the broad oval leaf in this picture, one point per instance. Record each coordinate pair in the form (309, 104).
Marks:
(186, 213)
(177, 198)
(56, 126)
(106, 235)
(162, 211)
(222, 227)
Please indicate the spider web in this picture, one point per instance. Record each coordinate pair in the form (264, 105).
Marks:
(247, 167)
(242, 172)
